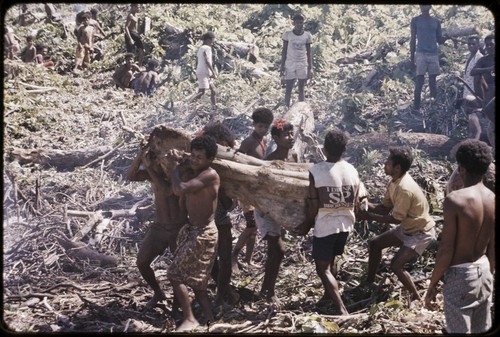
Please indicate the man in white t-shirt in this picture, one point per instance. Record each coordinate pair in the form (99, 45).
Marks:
(475, 54)
(205, 69)
(335, 191)
(296, 60)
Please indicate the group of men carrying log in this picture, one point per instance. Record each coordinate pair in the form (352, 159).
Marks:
(192, 220)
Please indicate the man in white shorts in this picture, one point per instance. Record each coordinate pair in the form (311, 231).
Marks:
(205, 69)
(296, 60)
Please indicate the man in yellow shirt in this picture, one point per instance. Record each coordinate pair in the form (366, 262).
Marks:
(404, 204)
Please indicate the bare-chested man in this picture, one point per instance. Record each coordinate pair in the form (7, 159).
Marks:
(169, 217)
(197, 243)
(85, 47)
(123, 74)
(146, 81)
(132, 37)
(466, 254)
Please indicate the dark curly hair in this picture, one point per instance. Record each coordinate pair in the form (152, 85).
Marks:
(402, 156)
(475, 156)
(206, 143)
(220, 133)
(276, 131)
(335, 142)
(262, 115)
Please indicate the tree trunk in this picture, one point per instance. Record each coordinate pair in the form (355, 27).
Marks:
(62, 159)
(248, 51)
(82, 252)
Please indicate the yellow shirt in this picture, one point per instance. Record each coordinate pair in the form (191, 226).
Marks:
(408, 204)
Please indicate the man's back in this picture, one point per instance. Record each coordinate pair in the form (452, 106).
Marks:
(471, 214)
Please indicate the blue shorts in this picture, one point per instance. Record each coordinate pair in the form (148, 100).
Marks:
(326, 248)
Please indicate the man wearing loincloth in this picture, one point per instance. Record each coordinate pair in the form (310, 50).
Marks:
(196, 245)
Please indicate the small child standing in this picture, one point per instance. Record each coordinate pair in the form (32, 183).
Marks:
(29, 52)
(254, 145)
(205, 69)
(85, 47)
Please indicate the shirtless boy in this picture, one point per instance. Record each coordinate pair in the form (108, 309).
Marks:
(254, 145)
(282, 133)
(29, 52)
(146, 81)
(85, 47)
(132, 37)
(466, 256)
(197, 242)
(169, 217)
(123, 74)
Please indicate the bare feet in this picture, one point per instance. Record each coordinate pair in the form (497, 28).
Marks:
(188, 325)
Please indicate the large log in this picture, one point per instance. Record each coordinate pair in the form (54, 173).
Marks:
(62, 159)
(433, 145)
(248, 51)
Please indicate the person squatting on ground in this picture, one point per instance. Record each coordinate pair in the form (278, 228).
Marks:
(404, 204)
(465, 259)
(169, 217)
(146, 81)
(335, 191)
(296, 59)
(254, 145)
(197, 241)
(221, 272)
(123, 74)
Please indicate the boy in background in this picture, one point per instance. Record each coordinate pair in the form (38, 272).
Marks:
(204, 68)
(254, 145)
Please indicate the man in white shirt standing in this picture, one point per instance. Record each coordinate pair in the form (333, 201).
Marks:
(475, 54)
(205, 69)
(296, 60)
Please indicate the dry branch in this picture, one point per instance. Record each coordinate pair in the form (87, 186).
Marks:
(82, 252)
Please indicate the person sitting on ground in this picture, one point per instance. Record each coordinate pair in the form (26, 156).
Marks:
(43, 59)
(26, 17)
(197, 242)
(404, 204)
(169, 217)
(221, 272)
(465, 260)
(124, 74)
(269, 230)
(11, 43)
(254, 145)
(52, 14)
(335, 191)
(29, 53)
(146, 81)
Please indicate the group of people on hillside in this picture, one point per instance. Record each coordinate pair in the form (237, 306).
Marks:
(336, 200)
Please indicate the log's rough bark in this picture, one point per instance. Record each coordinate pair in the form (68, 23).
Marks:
(301, 116)
(433, 145)
(63, 159)
(81, 251)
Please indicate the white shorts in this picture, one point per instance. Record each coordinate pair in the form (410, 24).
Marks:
(203, 81)
(417, 241)
(266, 225)
(295, 70)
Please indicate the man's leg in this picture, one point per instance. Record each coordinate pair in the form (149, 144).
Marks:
(419, 84)
(181, 293)
(275, 254)
(288, 91)
(213, 94)
(300, 88)
(323, 268)
(204, 301)
(433, 86)
(145, 256)
(404, 255)
(375, 247)
(224, 289)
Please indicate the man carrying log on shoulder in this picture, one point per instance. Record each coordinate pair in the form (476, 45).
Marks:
(282, 133)
(334, 194)
(198, 189)
(169, 217)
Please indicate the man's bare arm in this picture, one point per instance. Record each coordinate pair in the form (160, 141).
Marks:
(204, 179)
